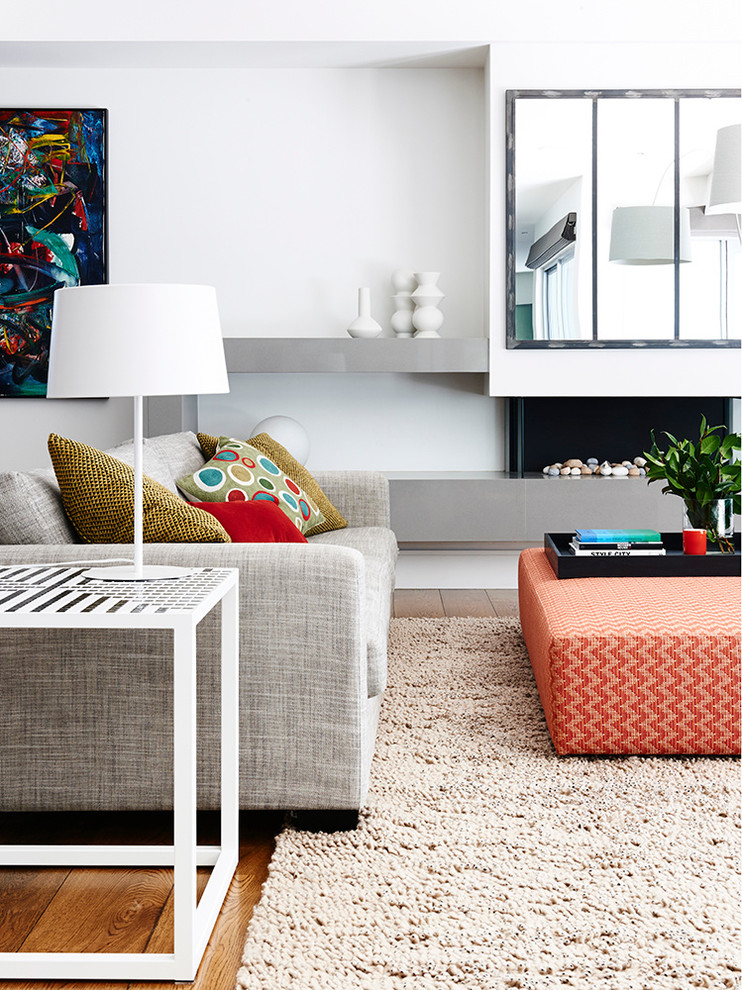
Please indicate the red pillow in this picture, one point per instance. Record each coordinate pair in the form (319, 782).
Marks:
(253, 522)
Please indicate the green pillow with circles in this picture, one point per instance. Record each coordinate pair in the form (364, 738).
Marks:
(239, 472)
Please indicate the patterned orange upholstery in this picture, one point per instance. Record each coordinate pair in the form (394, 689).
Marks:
(634, 665)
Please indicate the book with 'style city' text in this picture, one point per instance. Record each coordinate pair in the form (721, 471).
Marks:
(627, 550)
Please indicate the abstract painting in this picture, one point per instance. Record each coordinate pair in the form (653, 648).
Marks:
(52, 230)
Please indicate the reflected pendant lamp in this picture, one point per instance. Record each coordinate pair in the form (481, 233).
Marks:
(645, 235)
(725, 195)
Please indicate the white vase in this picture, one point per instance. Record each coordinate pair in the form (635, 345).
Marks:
(364, 324)
(402, 315)
(427, 319)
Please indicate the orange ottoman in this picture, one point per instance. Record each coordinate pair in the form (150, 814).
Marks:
(633, 665)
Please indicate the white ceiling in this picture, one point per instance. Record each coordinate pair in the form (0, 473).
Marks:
(471, 21)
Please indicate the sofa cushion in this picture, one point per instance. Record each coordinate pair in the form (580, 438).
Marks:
(181, 452)
(239, 472)
(379, 548)
(154, 465)
(98, 493)
(295, 470)
(253, 522)
(31, 509)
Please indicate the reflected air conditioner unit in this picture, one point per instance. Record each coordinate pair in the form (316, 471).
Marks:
(561, 235)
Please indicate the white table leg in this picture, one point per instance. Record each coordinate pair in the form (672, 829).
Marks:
(184, 799)
(230, 724)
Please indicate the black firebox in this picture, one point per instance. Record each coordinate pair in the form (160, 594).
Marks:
(544, 430)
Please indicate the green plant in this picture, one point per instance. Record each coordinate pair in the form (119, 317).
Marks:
(700, 472)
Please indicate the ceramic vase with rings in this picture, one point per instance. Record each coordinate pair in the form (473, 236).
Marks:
(403, 282)
(427, 319)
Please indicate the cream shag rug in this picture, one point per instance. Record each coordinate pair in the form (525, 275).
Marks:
(483, 860)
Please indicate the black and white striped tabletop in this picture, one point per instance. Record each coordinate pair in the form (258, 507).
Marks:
(49, 588)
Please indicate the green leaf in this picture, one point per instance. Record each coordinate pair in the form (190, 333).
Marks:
(729, 444)
(710, 444)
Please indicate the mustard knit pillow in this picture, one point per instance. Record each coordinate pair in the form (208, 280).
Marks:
(296, 471)
(98, 497)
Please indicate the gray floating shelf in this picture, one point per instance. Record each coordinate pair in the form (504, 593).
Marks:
(323, 355)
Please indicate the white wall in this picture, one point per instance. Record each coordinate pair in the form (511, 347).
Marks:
(376, 422)
(288, 188)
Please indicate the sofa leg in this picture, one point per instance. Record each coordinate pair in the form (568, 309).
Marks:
(323, 821)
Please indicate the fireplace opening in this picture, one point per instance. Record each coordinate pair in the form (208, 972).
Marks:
(543, 431)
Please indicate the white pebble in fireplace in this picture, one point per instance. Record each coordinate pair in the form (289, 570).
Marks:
(575, 468)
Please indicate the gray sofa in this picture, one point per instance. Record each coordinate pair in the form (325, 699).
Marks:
(86, 716)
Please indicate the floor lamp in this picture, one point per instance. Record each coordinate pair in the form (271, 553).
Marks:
(136, 340)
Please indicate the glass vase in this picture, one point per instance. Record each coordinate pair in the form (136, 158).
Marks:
(716, 517)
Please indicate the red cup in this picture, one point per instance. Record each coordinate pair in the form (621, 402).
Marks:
(694, 541)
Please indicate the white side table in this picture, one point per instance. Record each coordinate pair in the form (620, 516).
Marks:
(60, 597)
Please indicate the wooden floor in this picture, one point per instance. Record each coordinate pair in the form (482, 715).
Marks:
(450, 602)
(130, 910)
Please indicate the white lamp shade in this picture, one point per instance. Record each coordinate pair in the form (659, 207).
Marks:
(114, 340)
(645, 235)
(725, 194)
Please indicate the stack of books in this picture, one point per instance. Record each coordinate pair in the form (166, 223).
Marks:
(617, 542)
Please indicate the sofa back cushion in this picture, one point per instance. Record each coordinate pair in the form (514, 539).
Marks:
(180, 452)
(31, 509)
(154, 464)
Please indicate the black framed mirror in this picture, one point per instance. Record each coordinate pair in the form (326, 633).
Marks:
(622, 228)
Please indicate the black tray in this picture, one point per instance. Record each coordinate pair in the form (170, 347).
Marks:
(674, 563)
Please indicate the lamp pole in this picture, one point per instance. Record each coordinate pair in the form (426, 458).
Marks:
(138, 489)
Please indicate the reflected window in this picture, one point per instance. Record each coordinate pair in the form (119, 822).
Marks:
(554, 319)
(709, 290)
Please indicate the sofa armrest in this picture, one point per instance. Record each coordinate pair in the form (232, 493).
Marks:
(306, 731)
(361, 496)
